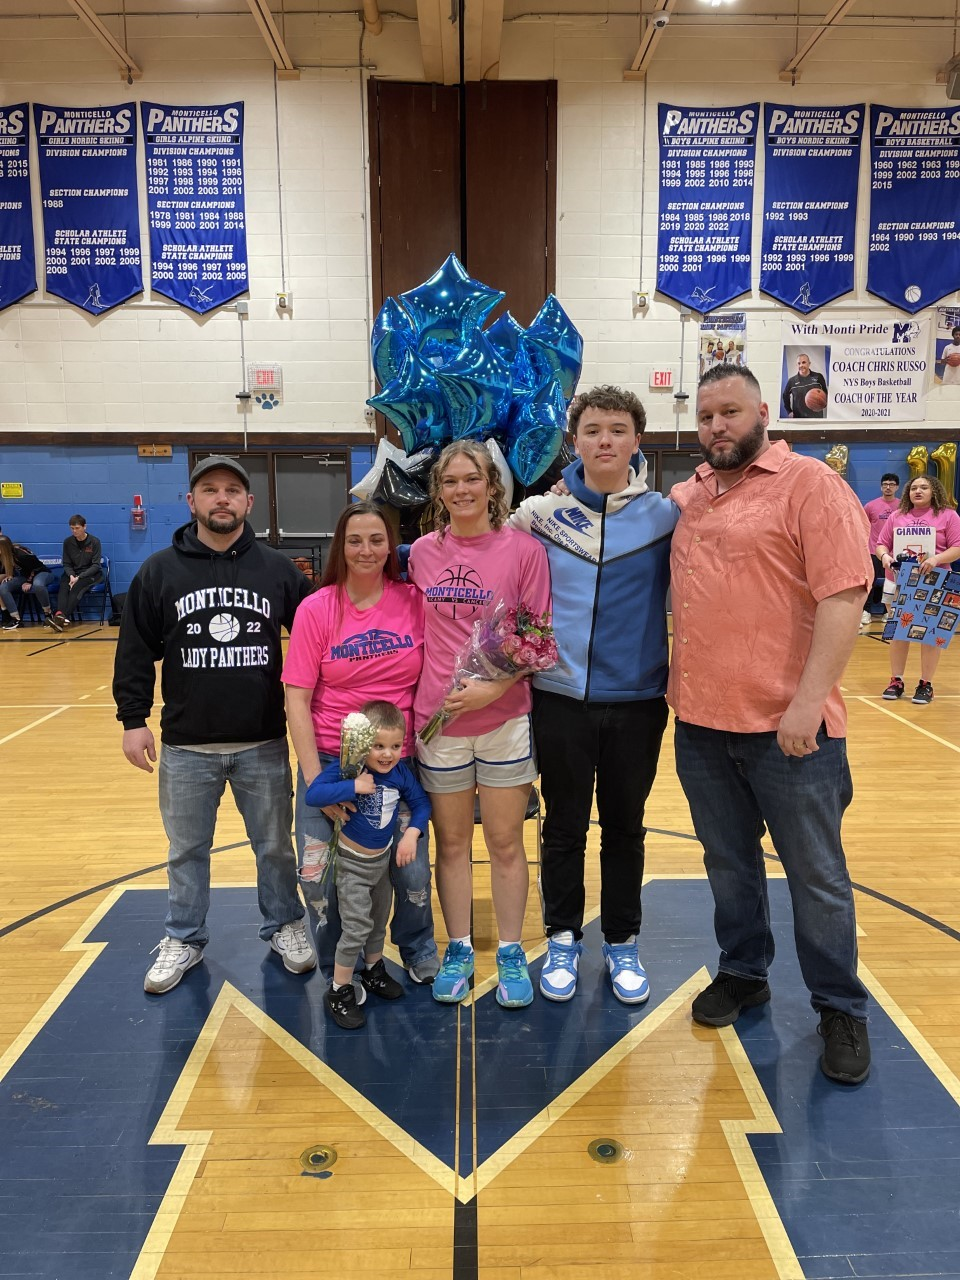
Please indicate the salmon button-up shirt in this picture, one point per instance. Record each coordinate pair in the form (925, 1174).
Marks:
(748, 569)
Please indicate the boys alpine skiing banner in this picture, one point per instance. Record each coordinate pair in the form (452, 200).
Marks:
(809, 203)
(707, 157)
(914, 254)
(198, 238)
(855, 370)
(18, 269)
(91, 220)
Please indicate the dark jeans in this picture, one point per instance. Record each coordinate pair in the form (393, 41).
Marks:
(70, 597)
(618, 744)
(876, 591)
(738, 784)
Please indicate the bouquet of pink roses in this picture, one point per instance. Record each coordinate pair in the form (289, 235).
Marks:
(508, 642)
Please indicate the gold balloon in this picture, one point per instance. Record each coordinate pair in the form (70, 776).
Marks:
(945, 456)
(838, 458)
(917, 461)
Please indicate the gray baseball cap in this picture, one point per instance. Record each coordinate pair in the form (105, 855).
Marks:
(217, 463)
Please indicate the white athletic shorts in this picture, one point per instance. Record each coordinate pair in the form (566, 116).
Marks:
(504, 757)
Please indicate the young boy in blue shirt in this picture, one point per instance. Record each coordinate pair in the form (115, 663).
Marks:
(364, 891)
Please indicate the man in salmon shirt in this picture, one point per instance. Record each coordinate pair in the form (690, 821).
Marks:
(770, 569)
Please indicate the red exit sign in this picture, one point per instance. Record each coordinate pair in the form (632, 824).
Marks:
(662, 379)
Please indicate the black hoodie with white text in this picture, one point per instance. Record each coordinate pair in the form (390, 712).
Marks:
(213, 619)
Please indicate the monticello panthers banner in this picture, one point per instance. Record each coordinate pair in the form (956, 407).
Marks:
(707, 159)
(18, 269)
(198, 238)
(809, 203)
(88, 184)
(914, 255)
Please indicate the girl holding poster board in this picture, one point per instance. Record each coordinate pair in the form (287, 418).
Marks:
(927, 529)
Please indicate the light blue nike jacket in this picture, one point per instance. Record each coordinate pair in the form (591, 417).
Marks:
(609, 558)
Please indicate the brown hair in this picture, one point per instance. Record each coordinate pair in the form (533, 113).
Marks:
(335, 573)
(497, 502)
(77, 520)
(6, 555)
(938, 494)
(610, 399)
(384, 715)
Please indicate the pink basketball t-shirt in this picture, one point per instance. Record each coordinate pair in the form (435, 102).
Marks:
(877, 512)
(350, 656)
(462, 580)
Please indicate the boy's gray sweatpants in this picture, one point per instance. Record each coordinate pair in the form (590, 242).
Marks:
(365, 895)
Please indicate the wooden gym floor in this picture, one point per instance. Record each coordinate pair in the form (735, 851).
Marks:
(228, 1129)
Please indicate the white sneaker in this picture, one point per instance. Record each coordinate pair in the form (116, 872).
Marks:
(866, 618)
(171, 964)
(294, 948)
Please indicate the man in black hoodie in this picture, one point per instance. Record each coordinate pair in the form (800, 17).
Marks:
(209, 609)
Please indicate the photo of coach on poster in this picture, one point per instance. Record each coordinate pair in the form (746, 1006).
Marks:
(946, 370)
(804, 392)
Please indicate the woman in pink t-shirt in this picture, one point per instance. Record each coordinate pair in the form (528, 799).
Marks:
(464, 569)
(359, 638)
(924, 505)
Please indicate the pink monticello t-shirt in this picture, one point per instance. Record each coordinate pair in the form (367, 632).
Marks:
(877, 512)
(352, 656)
(461, 580)
(945, 523)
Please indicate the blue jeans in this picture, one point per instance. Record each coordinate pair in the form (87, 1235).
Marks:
(191, 784)
(38, 589)
(738, 784)
(411, 929)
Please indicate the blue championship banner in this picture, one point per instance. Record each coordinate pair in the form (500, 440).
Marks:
(809, 203)
(707, 157)
(18, 267)
(914, 254)
(198, 238)
(91, 220)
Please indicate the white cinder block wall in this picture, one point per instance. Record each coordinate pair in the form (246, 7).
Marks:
(148, 366)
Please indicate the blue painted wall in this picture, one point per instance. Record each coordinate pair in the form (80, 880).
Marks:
(99, 482)
(868, 462)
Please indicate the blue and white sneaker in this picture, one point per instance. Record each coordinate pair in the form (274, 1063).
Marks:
(514, 990)
(452, 983)
(558, 977)
(627, 975)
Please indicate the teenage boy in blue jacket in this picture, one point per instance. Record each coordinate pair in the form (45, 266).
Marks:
(599, 715)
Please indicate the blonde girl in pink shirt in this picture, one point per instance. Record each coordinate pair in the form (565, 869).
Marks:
(924, 503)
(464, 569)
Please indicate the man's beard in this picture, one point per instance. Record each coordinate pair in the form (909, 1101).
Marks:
(739, 454)
(225, 522)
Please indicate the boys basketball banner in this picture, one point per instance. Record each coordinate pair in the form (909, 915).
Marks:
(91, 220)
(18, 269)
(914, 254)
(707, 157)
(195, 202)
(809, 203)
(856, 370)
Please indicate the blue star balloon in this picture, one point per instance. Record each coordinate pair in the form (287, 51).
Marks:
(390, 340)
(507, 334)
(414, 404)
(476, 385)
(450, 305)
(535, 432)
(554, 346)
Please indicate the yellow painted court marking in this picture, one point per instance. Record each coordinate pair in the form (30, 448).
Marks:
(32, 725)
(768, 1218)
(168, 1132)
(917, 1039)
(538, 1126)
(951, 746)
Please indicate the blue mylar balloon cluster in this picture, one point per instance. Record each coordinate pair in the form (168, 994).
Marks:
(443, 377)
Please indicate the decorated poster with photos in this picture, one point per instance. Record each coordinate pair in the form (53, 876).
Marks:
(926, 606)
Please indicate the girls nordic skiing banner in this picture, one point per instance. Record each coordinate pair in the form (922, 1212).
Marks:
(88, 187)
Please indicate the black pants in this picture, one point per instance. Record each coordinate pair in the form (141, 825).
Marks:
(70, 597)
(618, 744)
(876, 591)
